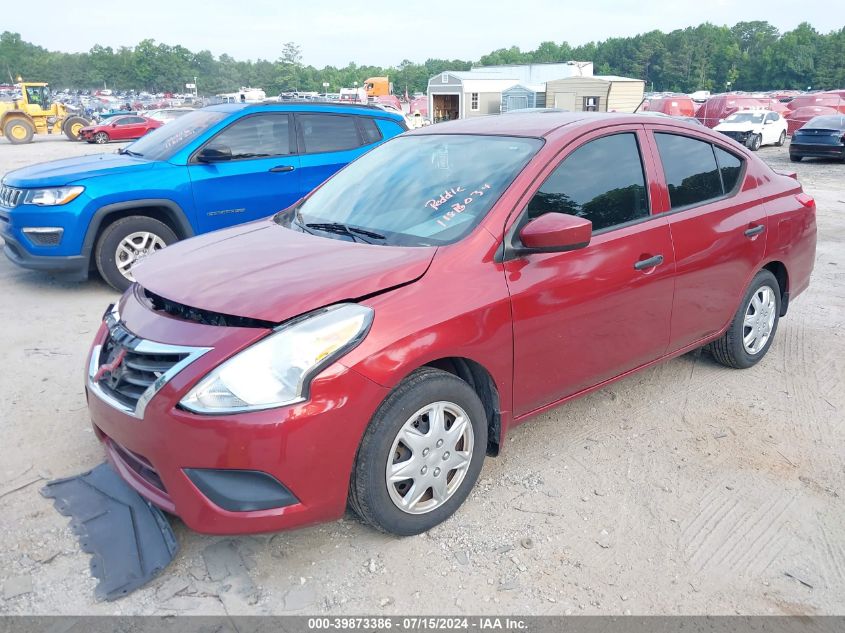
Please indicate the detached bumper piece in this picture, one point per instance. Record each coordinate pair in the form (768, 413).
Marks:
(129, 540)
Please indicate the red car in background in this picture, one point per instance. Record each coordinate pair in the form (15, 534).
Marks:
(373, 343)
(120, 128)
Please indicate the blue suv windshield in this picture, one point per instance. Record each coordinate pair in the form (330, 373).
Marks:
(414, 190)
(162, 143)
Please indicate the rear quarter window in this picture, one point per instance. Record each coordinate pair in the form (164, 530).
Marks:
(390, 128)
(730, 167)
(369, 130)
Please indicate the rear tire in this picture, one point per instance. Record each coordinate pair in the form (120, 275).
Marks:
(125, 242)
(795, 159)
(441, 482)
(781, 139)
(19, 131)
(754, 325)
(71, 127)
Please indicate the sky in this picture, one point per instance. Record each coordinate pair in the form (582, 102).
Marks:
(382, 32)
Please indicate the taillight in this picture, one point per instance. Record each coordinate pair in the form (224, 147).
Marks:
(805, 200)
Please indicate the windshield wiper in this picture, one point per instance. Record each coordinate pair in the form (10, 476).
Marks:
(343, 229)
(123, 150)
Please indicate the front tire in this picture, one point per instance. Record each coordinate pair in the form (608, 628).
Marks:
(754, 325)
(72, 126)
(124, 243)
(755, 142)
(795, 159)
(421, 454)
(101, 138)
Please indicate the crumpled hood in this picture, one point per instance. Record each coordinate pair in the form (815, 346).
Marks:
(743, 126)
(265, 271)
(57, 173)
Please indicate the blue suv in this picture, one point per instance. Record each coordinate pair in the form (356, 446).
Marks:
(206, 170)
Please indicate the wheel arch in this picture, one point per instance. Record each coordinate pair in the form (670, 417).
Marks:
(161, 209)
(481, 381)
(15, 114)
(778, 269)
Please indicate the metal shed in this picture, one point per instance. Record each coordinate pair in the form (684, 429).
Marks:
(600, 93)
(523, 96)
(463, 94)
(477, 92)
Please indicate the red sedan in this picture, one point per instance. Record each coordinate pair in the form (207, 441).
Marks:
(372, 344)
(119, 128)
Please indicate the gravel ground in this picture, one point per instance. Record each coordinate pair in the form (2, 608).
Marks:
(685, 489)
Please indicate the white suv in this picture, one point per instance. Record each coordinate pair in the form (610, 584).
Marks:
(754, 128)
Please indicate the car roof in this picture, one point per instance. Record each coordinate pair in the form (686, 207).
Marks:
(318, 106)
(529, 124)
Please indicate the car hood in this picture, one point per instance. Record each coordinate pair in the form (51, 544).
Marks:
(57, 173)
(265, 271)
(743, 126)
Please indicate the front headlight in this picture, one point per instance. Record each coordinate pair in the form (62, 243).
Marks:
(52, 196)
(277, 370)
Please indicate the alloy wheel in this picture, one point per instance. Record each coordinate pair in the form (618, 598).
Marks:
(133, 248)
(429, 457)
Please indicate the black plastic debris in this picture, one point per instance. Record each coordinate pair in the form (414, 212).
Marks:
(129, 540)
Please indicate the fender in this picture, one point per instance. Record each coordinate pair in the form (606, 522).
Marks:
(173, 210)
(15, 114)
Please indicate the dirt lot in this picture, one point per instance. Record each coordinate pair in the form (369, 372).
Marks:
(686, 489)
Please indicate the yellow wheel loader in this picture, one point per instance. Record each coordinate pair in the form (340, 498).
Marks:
(35, 113)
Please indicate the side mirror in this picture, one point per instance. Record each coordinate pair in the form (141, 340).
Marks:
(768, 122)
(214, 154)
(556, 233)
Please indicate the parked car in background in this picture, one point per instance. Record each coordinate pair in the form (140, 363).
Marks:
(374, 342)
(167, 114)
(754, 128)
(821, 137)
(206, 170)
(720, 106)
(119, 128)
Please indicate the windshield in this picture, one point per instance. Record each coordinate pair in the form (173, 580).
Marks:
(415, 190)
(163, 142)
(746, 117)
(826, 123)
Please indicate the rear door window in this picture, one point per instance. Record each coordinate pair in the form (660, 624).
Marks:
(602, 181)
(327, 133)
(692, 174)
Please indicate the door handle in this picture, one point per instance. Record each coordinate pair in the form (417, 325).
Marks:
(754, 230)
(651, 262)
(282, 168)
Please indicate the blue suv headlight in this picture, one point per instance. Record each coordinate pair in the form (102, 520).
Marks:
(52, 196)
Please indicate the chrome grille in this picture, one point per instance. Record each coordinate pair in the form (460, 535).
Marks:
(10, 197)
(127, 371)
(127, 374)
